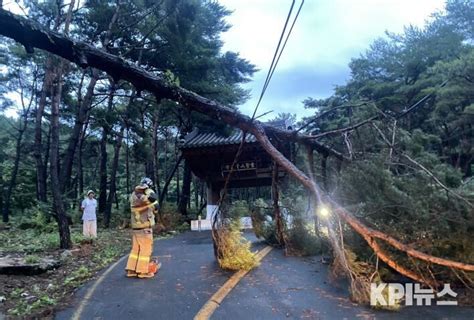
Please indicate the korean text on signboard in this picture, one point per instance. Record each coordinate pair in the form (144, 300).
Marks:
(240, 166)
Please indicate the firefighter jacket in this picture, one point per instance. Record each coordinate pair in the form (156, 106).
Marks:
(143, 205)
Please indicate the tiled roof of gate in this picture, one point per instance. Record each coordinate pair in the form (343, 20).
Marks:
(196, 139)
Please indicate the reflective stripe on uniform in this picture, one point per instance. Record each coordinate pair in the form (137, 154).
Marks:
(136, 257)
(141, 225)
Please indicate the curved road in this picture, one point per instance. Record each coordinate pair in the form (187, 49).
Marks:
(281, 288)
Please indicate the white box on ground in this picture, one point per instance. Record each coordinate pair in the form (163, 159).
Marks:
(205, 225)
(245, 222)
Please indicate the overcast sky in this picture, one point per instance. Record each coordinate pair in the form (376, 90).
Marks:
(326, 36)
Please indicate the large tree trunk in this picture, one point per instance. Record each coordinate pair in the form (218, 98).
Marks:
(177, 186)
(311, 198)
(164, 192)
(127, 162)
(79, 123)
(113, 179)
(32, 35)
(103, 154)
(156, 163)
(185, 191)
(80, 168)
(324, 172)
(41, 165)
(149, 167)
(103, 171)
(1, 187)
(16, 165)
(58, 205)
(82, 114)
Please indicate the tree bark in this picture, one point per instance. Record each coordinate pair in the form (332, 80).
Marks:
(164, 192)
(80, 120)
(16, 165)
(80, 168)
(58, 205)
(156, 163)
(41, 165)
(312, 201)
(82, 114)
(103, 170)
(103, 154)
(1, 187)
(177, 185)
(324, 172)
(127, 162)
(113, 183)
(185, 191)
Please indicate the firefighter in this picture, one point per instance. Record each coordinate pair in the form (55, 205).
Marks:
(144, 205)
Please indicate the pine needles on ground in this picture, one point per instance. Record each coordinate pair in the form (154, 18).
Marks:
(234, 250)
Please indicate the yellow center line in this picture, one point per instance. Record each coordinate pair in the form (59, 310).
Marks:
(213, 303)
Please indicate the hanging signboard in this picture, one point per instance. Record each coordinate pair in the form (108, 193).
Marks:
(240, 166)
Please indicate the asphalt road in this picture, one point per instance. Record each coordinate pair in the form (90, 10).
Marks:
(187, 279)
(299, 288)
(281, 288)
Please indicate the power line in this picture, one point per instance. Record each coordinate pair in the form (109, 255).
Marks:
(278, 52)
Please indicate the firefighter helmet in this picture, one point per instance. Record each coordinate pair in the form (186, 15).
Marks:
(146, 181)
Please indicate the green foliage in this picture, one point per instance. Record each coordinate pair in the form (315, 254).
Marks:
(32, 259)
(38, 300)
(302, 239)
(238, 209)
(178, 40)
(397, 181)
(37, 217)
(30, 241)
(262, 221)
(78, 276)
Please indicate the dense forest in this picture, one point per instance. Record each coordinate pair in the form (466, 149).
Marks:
(394, 145)
(101, 134)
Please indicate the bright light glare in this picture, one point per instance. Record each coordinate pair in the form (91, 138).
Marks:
(323, 211)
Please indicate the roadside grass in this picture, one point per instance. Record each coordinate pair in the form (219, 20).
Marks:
(38, 296)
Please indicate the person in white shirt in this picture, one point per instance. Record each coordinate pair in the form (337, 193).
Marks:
(89, 217)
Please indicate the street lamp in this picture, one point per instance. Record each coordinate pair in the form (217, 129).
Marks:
(323, 211)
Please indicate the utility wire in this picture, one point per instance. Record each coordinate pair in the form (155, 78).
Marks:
(278, 52)
(276, 58)
(286, 40)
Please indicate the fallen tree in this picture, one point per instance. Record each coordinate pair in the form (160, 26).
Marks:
(32, 35)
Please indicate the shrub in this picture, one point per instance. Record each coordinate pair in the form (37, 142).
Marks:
(302, 239)
(239, 209)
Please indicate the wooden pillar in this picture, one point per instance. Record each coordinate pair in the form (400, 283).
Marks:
(213, 196)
